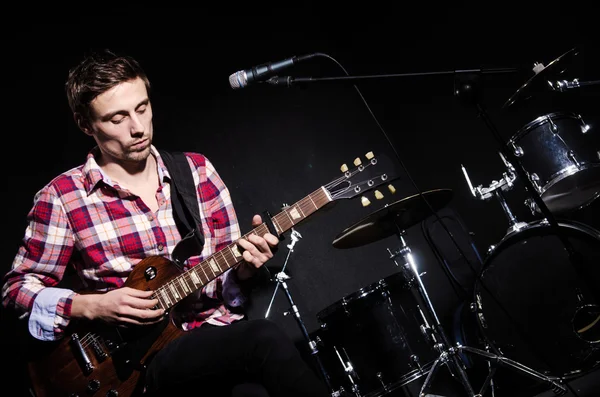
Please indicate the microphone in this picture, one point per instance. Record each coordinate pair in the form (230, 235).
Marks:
(260, 73)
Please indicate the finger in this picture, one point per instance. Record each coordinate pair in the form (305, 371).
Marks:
(256, 220)
(259, 243)
(141, 303)
(271, 239)
(137, 292)
(142, 315)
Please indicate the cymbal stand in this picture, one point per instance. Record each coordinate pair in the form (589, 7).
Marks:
(281, 278)
(449, 355)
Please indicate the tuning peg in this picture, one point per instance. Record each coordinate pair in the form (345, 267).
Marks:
(344, 168)
(369, 155)
(357, 161)
(391, 188)
(365, 201)
(378, 195)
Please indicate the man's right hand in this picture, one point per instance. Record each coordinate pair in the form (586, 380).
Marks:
(122, 307)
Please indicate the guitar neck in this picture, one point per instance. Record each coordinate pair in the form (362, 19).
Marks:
(198, 276)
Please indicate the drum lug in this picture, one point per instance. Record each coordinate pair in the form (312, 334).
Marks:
(518, 150)
(415, 359)
(380, 378)
(571, 156)
(531, 205)
(535, 181)
(553, 126)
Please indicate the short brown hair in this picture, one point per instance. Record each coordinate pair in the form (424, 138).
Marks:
(98, 72)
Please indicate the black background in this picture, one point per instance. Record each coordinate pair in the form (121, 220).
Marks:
(274, 145)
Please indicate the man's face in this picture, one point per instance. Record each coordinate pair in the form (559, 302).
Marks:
(122, 122)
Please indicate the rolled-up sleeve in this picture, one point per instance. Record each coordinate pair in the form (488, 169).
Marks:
(39, 264)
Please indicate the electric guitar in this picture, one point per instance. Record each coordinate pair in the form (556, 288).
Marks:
(101, 360)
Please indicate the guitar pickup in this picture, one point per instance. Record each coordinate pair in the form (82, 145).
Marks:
(99, 352)
(80, 354)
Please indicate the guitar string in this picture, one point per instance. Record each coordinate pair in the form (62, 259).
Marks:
(307, 206)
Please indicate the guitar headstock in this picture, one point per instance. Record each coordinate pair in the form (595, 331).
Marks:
(366, 175)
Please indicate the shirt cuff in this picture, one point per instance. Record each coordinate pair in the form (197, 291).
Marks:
(44, 321)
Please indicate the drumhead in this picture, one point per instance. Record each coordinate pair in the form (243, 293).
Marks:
(536, 306)
(396, 280)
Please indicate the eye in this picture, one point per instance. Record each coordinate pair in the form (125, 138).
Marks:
(117, 121)
(141, 109)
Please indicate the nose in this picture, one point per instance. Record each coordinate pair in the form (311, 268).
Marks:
(137, 127)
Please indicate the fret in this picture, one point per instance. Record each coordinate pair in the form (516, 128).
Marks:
(214, 266)
(194, 277)
(327, 194)
(289, 217)
(184, 286)
(277, 226)
(161, 304)
(294, 212)
(223, 261)
(201, 265)
(165, 296)
(236, 252)
(174, 292)
(313, 202)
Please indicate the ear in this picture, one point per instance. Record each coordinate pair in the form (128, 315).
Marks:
(82, 123)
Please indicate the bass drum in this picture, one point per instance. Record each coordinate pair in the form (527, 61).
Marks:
(538, 308)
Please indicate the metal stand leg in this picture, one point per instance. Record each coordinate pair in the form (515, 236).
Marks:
(281, 278)
(449, 355)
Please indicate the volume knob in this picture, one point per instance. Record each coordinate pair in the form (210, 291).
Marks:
(112, 393)
(93, 385)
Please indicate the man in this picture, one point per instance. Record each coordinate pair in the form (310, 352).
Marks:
(107, 215)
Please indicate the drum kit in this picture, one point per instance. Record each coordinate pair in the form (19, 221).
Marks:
(535, 299)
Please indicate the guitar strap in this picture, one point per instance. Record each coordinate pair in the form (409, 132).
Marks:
(184, 198)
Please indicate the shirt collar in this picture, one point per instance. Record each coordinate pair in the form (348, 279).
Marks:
(93, 174)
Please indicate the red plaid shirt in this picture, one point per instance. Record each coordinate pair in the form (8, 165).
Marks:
(83, 219)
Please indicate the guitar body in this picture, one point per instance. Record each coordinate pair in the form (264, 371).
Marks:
(105, 361)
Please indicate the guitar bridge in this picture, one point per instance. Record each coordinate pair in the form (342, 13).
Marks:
(80, 354)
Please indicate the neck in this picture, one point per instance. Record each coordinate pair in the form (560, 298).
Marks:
(131, 172)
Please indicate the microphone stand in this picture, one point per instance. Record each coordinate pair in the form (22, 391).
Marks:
(289, 81)
(281, 278)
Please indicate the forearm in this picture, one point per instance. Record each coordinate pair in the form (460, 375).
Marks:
(83, 306)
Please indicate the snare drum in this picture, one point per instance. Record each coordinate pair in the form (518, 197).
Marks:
(561, 155)
(376, 331)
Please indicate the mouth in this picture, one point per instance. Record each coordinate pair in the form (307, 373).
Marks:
(139, 145)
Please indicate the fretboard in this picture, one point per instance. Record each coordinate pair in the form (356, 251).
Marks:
(210, 268)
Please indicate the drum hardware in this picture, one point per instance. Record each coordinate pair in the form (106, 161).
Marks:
(495, 190)
(395, 219)
(563, 85)
(449, 355)
(281, 278)
(389, 343)
(472, 96)
(561, 158)
(349, 371)
(541, 80)
(575, 263)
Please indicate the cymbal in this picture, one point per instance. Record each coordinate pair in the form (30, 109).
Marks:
(539, 81)
(393, 218)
